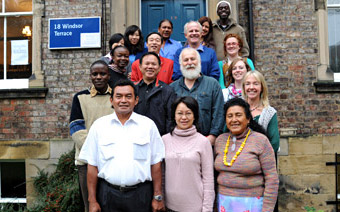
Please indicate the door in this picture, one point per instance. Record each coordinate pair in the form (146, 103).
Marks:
(178, 11)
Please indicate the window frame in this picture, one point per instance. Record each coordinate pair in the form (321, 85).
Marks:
(37, 78)
(11, 199)
(325, 76)
(332, 6)
(5, 15)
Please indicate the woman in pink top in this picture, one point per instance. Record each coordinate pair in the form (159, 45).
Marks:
(247, 179)
(189, 177)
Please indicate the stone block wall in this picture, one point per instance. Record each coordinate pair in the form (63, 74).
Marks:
(305, 180)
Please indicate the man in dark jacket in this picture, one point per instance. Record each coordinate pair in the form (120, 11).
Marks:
(206, 90)
(155, 96)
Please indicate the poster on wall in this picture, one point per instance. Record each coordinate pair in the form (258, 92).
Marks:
(19, 52)
(70, 33)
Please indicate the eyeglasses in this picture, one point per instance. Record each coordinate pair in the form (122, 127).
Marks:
(232, 44)
(188, 115)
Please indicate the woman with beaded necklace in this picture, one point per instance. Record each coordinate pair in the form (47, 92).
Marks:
(247, 177)
(237, 69)
(255, 92)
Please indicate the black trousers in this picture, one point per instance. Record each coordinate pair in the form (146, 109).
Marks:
(113, 200)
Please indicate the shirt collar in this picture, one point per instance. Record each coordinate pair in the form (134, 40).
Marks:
(133, 118)
(200, 48)
(94, 92)
(169, 41)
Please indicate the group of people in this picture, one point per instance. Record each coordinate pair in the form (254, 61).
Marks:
(166, 127)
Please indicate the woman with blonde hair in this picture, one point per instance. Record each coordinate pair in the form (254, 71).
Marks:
(255, 92)
(232, 45)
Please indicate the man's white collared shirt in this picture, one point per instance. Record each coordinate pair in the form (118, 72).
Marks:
(123, 154)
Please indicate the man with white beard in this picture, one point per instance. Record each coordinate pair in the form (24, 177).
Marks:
(204, 89)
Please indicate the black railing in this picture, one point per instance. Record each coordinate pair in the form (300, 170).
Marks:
(337, 178)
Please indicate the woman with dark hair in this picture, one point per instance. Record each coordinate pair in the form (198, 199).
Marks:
(118, 67)
(247, 179)
(134, 41)
(189, 178)
(236, 71)
(232, 45)
(207, 32)
(116, 39)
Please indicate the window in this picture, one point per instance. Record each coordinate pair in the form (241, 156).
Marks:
(12, 182)
(333, 7)
(16, 42)
(328, 14)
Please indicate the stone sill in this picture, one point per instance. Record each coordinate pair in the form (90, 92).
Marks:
(327, 87)
(23, 93)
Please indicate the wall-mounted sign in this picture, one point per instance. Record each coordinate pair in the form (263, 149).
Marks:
(70, 33)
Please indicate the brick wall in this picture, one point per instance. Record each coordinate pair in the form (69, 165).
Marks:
(66, 72)
(286, 51)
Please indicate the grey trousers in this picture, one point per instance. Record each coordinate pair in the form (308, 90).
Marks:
(82, 174)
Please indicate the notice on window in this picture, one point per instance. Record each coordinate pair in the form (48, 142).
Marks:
(19, 52)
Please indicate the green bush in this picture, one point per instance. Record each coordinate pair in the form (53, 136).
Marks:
(311, 209)
(58, 192)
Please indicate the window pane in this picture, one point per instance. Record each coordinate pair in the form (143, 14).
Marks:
(334, 38)
(13, 182)
(15, 26)
(333, 2)
(18, 5)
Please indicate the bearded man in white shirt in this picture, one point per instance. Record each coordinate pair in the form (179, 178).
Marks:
(124, 152)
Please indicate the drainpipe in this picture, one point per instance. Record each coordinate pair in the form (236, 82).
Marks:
(251, 31)
(103, 27)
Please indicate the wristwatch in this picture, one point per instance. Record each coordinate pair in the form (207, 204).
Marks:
(158, 198)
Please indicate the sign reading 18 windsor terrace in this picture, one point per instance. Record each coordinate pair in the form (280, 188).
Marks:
(70, 33)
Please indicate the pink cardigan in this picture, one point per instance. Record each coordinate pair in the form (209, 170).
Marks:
(189, 172)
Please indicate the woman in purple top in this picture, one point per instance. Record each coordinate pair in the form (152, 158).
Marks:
(189, 178)
(245, 161)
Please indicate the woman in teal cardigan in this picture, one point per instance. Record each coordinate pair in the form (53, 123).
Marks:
(255, 92)
(232, 49)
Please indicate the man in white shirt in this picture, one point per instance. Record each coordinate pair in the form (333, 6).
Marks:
(124, 151)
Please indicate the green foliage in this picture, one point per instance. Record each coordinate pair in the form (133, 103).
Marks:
(311, 209)
(60, 191)
(11, 208)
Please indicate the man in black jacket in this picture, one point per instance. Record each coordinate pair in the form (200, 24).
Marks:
(155, 96)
